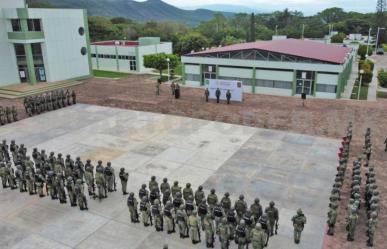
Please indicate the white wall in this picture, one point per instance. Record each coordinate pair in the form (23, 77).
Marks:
(274, 75)
(329, 79)
(325, 95)
(192, 69)
(63, 43)
(165, 47)
(236, 72)
(192, 83)
(8, 66)
(273, 91)
(12, 4)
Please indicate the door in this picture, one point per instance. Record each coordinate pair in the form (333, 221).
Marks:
(23, 74)
(40, 74)
(304, 86)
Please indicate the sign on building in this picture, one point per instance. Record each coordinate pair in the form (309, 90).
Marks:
(235, 87)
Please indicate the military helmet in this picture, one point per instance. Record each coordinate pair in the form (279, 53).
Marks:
(122, 169)
(109, 164)
(176, 183)
(43, 151)
(79, 181)
(299, 211)
(12, 141)
(131, 194)
(227, 194)
(224, 220)
(213, 191)
(78, 158)
(153, 178)
(37, 171)
(200, 187)
(272, 204)
(60, 154)
(99, 162)
(264, 217)
(70, 178)
(374, 214)
(52, 153)
(165, 180)
(375, 192)
(351, 200)
(242, 222)
(256, 200)
(194, 212)
(204, 201)
(156, 202)
(241, 197)
(28, 157)
(68, 156)
(258, 225)
(178, 194)
(35, 149)
(143, 185)
(188, 185)
(144, 198)
(88, 161)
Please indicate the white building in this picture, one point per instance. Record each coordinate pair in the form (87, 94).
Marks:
(42, 45)
(280, 67)
(126, 56)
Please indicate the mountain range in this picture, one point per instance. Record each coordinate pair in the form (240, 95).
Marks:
(140, 11)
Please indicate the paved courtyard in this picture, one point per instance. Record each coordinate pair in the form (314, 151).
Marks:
(291, 169)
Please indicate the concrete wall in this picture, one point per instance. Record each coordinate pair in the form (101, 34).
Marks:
(12, 4)
(165, 47)
(274, 75)
(62, 47)
(8, 68)
(329, 79)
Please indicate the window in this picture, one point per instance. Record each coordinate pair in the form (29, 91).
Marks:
(34, 25)
(245, 81)
(192, 77)
(326, 88)
(283, 84)
(265, 83)
(132, 63)
(81, 31)
(100, 55)
(83, 50)
(93, 55)
(15, 25)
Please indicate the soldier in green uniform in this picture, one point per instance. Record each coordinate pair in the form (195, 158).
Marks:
(30, 178)
(228, 96)
(206, 94)
(212, 200)
(8, 114)
(3, 175)
(240, 234)
(80, 193)
(167, 196)
(10, 175)
(157, 215)
(209, 229)
(89, 177)
(74, 97)
(60, 184)
(199, 195)
(132, 205)
(217, 95)
(145, 210)
(299, 221)
(175, 188)
(194, 228)
(2, 116)
(240, 207)
(168, 214)
(258, 237)
(40, 181)
(272, 214)
(153, 184)
(68, 97)
(71, 192)
(332, 215)
(164, 186)
(182, 219)
(371, 228)
(100, 180)
(20, 179)
(187, 191)
(256, 209)
(224, 234)
(226, 202)
(124, 176)
(218, 214)
(351, 224)
(52, 189)
(231, 222)
(110, 177)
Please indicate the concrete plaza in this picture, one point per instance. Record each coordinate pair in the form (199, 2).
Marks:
(291, 169)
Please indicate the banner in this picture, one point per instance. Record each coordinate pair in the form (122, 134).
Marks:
(235, 87)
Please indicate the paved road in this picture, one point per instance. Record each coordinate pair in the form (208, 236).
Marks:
(380, 62)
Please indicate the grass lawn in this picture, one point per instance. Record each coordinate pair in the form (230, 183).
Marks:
(382, 95)
(363, 92)
(109, 74)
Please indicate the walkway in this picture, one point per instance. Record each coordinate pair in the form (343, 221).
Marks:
(380, 62)
(351, 81)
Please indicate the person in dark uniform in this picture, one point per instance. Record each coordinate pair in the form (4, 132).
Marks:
(228, 96)
(217, 94)
(206, 94)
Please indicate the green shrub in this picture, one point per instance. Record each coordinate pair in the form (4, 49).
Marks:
(382, 77)
(367, 75)
(371, 63)
(363, 50)
(338, 38)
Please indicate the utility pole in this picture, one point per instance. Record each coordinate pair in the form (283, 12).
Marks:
(377, 37)
(303, 30)
(276, 29)
(368, 42)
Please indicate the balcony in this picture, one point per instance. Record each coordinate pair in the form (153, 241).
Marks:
(23, 36)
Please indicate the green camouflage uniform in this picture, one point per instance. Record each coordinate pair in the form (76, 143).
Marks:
(299, 221)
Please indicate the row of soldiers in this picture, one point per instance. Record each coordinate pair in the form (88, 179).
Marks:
(218, 93)
(43, 174)
(8, 115)
(49, 101)
(192, 212)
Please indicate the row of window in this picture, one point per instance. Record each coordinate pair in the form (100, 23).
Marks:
(325, 88)
(246, 82)
(192, 77)
(33, 25)
(274, 84)
(113, 56)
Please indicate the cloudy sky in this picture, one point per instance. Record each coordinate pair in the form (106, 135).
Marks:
(307, 6)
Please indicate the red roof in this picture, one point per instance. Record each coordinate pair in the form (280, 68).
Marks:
(121, 43)
(302, 48)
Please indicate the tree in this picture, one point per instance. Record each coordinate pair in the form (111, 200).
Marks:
(252, 29)
(381, 18)
(102, 29)
(382, 77)
(332, 15)
(339, 38)
(363, 50)
(159, 61)
(191, 42)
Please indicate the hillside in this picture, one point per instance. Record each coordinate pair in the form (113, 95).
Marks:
(139, 11)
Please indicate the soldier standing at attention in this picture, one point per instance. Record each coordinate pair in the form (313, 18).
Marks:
(240, 207)
(212, 200)
(208, 225)
(224, 234)
(14, 114)
(173, 87)
(74, 97)
(100, 180)
(132, 205)
(240, 234)
(164, 186)
(124, 176)
(258, 237)
(199, 195)
(89, 176)
(187, 191)
(181, 218)
(153, 184)
(79, 191)
(175, 188)
(110, 177)
(206, 94)
(299, 221)
(272, 214)
(371, 227)
(256, 209)
(170, 223)
(228, 96)
(193, 224)
(217, 94)
(351, 224)
(156, 213)
(332, 215)
(145, 209)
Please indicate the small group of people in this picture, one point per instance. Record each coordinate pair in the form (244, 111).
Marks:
(8, 115)
(49, 101)
(218, 93)
(175, 90)
(167, 207)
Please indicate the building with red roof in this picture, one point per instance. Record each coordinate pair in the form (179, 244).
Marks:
(278, 67)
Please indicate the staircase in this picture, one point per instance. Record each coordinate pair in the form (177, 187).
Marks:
(23, 90)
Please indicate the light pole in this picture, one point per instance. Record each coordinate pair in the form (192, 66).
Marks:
(169, 73)
(276, 29)
(377, 37)
(368, 42)
(360, 83)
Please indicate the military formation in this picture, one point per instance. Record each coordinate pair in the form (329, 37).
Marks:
(191, 213)
(8, 115)
(371, 195)
(61, 178)
(54, 100)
